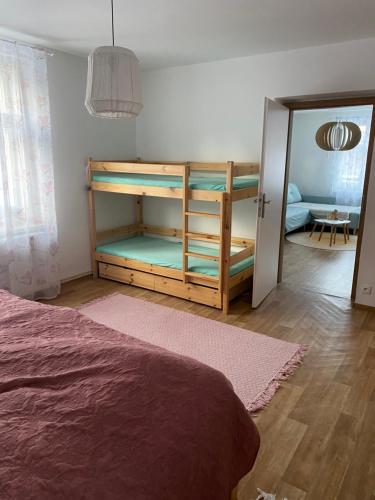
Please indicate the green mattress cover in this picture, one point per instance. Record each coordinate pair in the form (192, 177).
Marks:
(195, 182)
(167, 253)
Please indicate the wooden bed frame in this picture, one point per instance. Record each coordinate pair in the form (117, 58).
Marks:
(213, 291)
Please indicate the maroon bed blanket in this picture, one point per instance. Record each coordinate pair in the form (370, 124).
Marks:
(90, 413)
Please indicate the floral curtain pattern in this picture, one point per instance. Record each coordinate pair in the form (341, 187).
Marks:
(28, 231)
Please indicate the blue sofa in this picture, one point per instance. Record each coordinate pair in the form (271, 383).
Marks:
(303, 209)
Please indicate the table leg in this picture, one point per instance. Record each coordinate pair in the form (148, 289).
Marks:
(344, 233)
(313, 229)
(334, 235)
(347, 232)
(321, 232)
(330, 240)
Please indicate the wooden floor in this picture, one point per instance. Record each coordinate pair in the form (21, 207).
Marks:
(322, 271)
(318, 433)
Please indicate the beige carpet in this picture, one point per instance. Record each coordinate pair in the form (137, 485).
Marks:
(304, 239)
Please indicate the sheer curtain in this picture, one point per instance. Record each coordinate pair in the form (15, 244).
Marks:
(348, 167)
(28, 232)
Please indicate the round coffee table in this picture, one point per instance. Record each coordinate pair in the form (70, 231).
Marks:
(334, 225)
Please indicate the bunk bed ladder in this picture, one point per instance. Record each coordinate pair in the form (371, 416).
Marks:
(186, 234)
(225, 218)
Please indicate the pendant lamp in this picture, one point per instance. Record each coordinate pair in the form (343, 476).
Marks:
(113, 81)
(338, 136)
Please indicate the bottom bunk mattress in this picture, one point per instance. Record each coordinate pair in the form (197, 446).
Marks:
(91, 413)
(166, 253)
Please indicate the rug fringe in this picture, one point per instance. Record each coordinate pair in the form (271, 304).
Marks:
(283, 374)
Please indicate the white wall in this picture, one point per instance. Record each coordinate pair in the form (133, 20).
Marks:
(312, 168)
(161, 211)
(366, 275)
(76, 135)
(213, 111)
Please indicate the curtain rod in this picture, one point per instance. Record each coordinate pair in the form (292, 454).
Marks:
(49, 52)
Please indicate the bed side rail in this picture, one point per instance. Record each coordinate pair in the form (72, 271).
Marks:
(137, 168)
(117, 233)
(172, 167)
(242, 254)
(198, 236)
(241, 169)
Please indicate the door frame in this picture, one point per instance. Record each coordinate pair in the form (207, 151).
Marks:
(330, 101)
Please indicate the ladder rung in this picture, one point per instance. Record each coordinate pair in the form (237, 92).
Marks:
(203, 276)
(202, 256)
(203, 214)
(203, 237)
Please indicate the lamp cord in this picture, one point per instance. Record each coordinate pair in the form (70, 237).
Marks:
(113, 27)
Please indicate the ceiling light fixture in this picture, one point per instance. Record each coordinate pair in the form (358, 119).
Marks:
(113, 81)
(338, 136)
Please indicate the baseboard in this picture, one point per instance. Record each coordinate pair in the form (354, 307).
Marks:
(364, 307)
(76, 277)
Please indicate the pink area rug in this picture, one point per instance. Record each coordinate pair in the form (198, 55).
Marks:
(254, 363)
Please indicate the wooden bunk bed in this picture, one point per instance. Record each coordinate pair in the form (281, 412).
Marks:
(228, 272)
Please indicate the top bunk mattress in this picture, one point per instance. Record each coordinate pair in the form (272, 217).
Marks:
(209, 183)
(166, 253)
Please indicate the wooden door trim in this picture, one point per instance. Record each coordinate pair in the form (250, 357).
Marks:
(333, 103)
(362, 216)
(285, 199)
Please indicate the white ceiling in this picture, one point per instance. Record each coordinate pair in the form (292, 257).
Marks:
(177, 32)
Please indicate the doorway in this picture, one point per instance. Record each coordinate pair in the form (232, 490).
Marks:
(325, 184)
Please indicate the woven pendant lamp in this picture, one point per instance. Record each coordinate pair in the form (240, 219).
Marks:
(113, 82)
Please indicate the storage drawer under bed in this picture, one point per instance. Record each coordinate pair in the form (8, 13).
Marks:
(169, 286)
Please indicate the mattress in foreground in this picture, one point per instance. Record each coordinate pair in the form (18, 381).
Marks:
(209, 183)
(88, 412)
(166, 253)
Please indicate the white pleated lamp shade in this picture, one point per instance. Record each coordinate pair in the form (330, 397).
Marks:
(113, 83)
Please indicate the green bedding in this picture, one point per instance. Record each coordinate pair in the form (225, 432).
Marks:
(195, 182)
(167, 253)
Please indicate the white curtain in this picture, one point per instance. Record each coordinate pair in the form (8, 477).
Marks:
(348, 167)
(28, 232)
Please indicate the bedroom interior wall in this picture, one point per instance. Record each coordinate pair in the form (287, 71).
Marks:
(75, 136)
(309, 164)
(366, 272)
(214, 111)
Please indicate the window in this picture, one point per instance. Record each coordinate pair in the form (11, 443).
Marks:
(28, 233)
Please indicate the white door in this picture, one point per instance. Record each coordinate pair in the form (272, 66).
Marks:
(271, 190)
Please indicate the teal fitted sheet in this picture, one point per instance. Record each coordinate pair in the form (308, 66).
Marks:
(296, 217)
(319, 210)
(167, 253)
(195, 182)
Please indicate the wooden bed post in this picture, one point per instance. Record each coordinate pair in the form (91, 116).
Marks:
(227, 212)
(92, 220)
(222, 205)
(185, 221)
(139, 213)
(139, 205)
